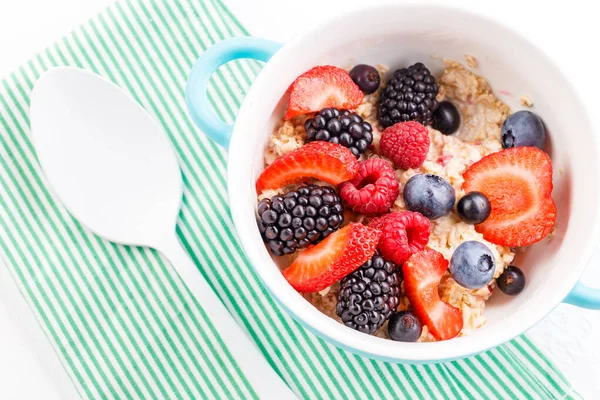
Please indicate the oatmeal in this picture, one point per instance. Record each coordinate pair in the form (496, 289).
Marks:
(471, 61)
(447, 156)
(526, 101)
(288, 136)
(482, 113)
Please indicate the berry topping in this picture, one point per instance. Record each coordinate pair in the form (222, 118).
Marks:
(402, 234)
(328, 162)
(345, 128)
(446, 118)
(406, 144)
(340, 254)
(369, 295)
(474, 208)
(300, 218)
(373, 189)
(422, 274)
(512, 281)
(518, 184)
(366, 77)
(404, 326)
(409, 95)
(523, 128)
(429, 194)
(472, 265)
(322, 87)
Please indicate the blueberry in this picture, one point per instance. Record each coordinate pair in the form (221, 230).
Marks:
(474, 208)
(404, 327)
(512, 281)
(430, 195)
(446, 118)
(523, 128)
(472, 265)
(366, 78)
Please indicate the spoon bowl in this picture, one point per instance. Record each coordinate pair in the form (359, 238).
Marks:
(105, 158)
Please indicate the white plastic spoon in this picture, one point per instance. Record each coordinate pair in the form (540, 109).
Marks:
(115, 171)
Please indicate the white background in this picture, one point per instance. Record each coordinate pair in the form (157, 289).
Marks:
(568, 31)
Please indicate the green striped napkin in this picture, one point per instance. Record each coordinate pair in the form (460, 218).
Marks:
(122, 322)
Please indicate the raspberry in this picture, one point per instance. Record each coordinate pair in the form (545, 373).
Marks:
(406, 144)
(373, 189)
(403, 234)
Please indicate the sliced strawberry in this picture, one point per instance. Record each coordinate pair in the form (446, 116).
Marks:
(322, 87)
(518, 183)
(328, 162)
(422, 274)
(340, 254)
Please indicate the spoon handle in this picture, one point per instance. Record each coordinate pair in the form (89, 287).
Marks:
(263, 379)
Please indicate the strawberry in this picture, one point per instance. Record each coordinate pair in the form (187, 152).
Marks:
(518, 184)
(340, 254)
(323, 87)
(422, 274)
(328, 162)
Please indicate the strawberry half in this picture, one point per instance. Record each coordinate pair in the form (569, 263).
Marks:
(340, 254)
(422, 274)
(518, 183)
(328, 162)
(322, 87)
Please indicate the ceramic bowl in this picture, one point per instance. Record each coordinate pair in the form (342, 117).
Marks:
(397, 36)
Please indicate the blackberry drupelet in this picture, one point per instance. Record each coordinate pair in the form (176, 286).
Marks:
(342, 127)
(368, 296)
(409, 95)
(299, 218)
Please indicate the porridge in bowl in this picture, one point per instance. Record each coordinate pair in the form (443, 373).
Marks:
(394, 202)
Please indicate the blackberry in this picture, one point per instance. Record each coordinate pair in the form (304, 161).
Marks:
(299, 218)
(368, 296)
(342, 127)
(409, 95)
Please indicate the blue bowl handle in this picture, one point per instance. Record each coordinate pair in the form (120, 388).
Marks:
(584, 296)
(221, 53)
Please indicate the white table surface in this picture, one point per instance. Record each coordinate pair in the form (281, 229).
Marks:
(568, 31)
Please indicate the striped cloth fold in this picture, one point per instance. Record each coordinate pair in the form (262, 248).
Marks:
(122, 322)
